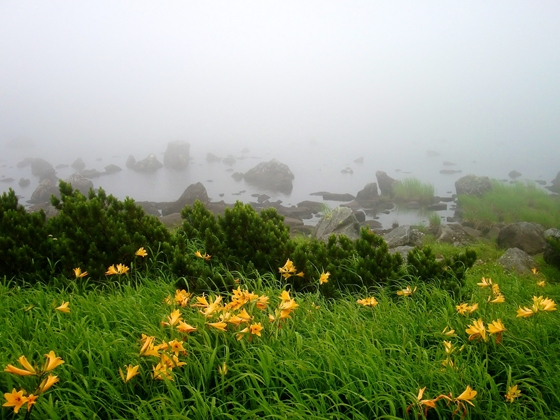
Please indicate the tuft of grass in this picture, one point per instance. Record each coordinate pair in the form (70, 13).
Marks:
(512, 203)
(412, 189)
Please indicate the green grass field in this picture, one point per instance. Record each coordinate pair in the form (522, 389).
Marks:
(318, 359)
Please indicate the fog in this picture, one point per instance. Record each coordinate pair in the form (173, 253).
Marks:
(315, 84)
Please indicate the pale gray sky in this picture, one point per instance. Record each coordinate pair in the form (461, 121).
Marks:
(370, 72)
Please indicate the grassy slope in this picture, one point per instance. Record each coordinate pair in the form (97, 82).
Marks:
(340, 360)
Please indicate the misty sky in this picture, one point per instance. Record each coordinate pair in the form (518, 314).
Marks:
(244, 72)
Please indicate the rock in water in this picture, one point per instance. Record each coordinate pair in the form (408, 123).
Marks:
(177, 155)
(273, 176)
(340, 221)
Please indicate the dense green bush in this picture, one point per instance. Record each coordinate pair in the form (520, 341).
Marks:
(98, 231)
(24, 242)
(448, 272)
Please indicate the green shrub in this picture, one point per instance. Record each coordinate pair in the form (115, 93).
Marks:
(24, 241)
(447, 272)
(98, 231)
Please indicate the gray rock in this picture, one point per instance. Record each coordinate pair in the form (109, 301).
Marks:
(40, 167)
(43, 192)
(91, 173)
(337, 197)
(24, 182)
(111, 169)
(437, 207)
(25, 162)
(190, 195)
(550, 254)
(230, 160)
(238, 176)
(273, 176)
(340, 221)
(130, 162)
(368, 194)
(403, 235)
(456, 235)
(313, 206)
(80, 182)
(555, 187)
(211, 157)
(176, 155)
(514, 174)
(473, 185)
(403, 250)
(526, 236)
(385, 182)
(515, 259)
(150, 164)
(78, 165)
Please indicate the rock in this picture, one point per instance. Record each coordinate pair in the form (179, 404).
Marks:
(130, 162)
(385, 182)
(111, 169)
(313, 206)
(341, 221)
(238, 176)
(9, 179)
(80, 182)
(368, 194)
(61, 166)
(273, 176)
(403, 235)
(176, 155)
(152, 208)
(373, 225)
(150, 164)
(514, 174)
(360, 216)
(25, 162)
(190, 195)
(515, 259)
(473, 185)
(171, 221)
(262, 198)
(338, 197)
(24, 182)
(437, 207)
(91, 173)
(403, 250)
(78, 165)
(41, 168)
(450, 171)
(359, 160)
(555, 187)
(551, 255)
(43, 192)
(526, 236)
(347, 170)
(447, 163)
(211, 157)
(431, 153)
(230, 160)
(456, 235)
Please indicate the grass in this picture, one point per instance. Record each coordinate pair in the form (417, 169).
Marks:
(332, 359)
(512, 203)
(412, 189)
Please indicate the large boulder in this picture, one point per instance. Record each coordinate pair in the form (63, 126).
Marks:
(41, 168)
(190, 195)
(273, 176)
(473, 185)
(340, 221)
(385, 182)
(80, 183)
(515, 259)
(111, 169)
(79, 165)
(403, 236)
(526, 236)
(368, 194)
(150, 164)
(130, 162)
(43, 192)
(176, 155)
(456, 235)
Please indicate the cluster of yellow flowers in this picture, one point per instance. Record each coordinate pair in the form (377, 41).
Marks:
(540, 283)
(119, 269)
(17, 399)
(497, 296)
(289, 270)
(204, 256)
(539, 304)
(466, 396)
(166, 352)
